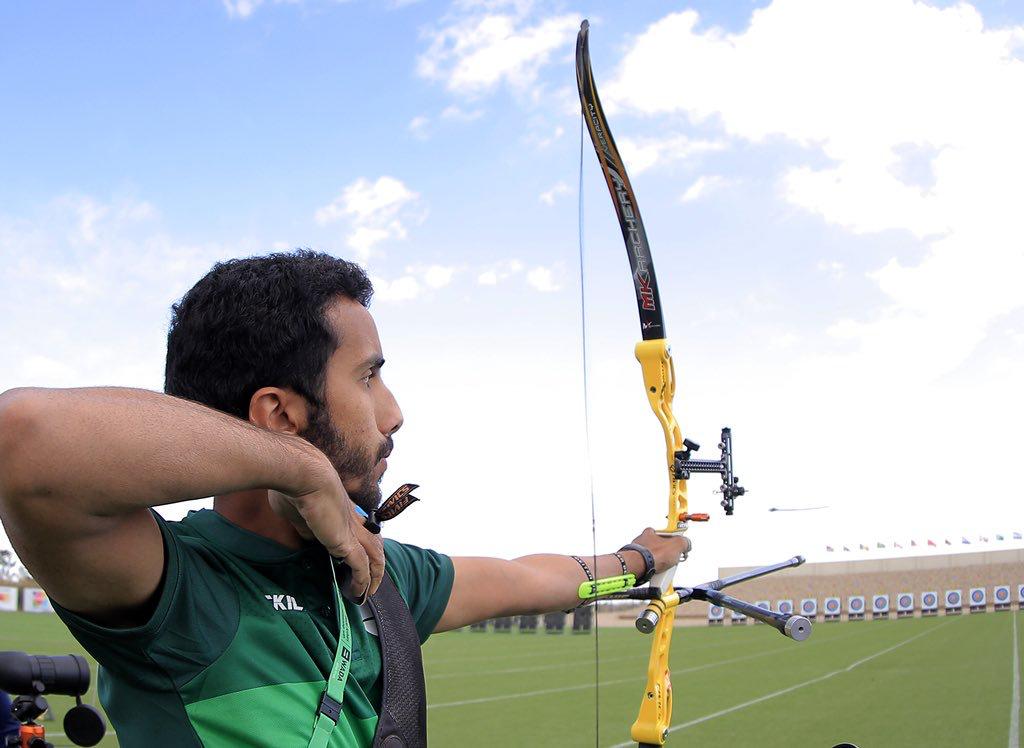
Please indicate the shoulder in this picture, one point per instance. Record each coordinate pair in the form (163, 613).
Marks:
(411, 566)
(424, 578)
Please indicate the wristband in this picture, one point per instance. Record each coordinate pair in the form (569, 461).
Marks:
(622, 563)
(648, 558)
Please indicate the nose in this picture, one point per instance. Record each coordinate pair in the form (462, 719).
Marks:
(392, 419)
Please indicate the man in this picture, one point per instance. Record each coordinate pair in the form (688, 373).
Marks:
(222, 629)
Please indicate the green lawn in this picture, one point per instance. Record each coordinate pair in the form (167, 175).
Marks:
(932, 682)
(917, 682)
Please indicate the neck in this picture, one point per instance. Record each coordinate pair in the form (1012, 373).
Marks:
(251, 511)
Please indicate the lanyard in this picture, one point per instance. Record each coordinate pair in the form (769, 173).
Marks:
(329, 711)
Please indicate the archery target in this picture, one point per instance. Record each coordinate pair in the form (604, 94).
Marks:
(905, 601)
(34, 600)
(855, 604)
(809, 606)
(737, 616)
(930, 601)
(767, 605)
(880, 604)
(716, 613)
(833, 606)
(785, 606)
(953, 599)
(978, 596)
(1001, 594)
(1020, 594)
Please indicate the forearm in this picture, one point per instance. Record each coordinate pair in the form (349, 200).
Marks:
(490, 587)
(110, 451)
(557, 578)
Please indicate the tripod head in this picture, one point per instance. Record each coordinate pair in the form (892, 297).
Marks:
(34, 675)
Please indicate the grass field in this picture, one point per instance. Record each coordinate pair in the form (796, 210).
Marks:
(918, 682)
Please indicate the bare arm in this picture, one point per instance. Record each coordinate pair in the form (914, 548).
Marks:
(79, 470)
(490, 587)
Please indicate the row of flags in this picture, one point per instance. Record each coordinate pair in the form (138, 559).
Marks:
(915, 544)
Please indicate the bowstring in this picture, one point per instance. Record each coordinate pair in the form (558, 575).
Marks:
(586, 440)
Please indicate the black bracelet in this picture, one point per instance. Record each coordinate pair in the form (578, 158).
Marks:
(590, 578)
(648, 561)
(583, 565)
(622, 563)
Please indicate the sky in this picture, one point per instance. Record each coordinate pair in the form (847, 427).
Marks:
(831, 190)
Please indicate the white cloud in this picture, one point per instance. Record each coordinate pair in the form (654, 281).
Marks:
(364, 238)
(887, 75)
(368, 201)
(500, 272)
(79, 270)
(641, 154)
(418, 126)
(548, 140)
(377, 212)
(548, 197)
(786, 339)
(834, 268)
(412, 285)
(542, 279)
(405, 288)
(886, 116)
(701, 187)
(458, 114)
(436, 276)
(491, 43)
(243, 9)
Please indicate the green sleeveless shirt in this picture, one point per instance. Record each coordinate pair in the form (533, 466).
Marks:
(241, 642)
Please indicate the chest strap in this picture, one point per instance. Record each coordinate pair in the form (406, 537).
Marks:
(402, 722)
(403, 715)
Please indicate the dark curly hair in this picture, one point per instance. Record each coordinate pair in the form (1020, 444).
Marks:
(259, 322)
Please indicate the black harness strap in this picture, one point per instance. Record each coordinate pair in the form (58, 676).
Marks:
(403, 714)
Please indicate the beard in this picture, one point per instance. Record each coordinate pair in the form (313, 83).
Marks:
(351, 463)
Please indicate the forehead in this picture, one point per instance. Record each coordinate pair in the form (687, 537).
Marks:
(354, 326)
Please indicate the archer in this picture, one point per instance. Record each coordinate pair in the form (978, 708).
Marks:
(227, 628)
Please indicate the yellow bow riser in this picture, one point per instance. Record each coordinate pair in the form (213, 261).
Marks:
(651, 725)
(655, 359)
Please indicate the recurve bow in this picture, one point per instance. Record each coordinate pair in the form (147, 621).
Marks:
(653, 353)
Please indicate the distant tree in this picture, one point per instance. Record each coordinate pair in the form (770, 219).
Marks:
(8, 564)
(11, 569)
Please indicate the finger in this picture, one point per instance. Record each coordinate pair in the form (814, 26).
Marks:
(356, 560)
(375, 553)
(373, 546)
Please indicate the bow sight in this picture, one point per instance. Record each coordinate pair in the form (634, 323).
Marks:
(684, 465)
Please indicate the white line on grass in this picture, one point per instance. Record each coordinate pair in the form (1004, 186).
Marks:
(784, 691)
(530, 669)
(1015, 701)
(633, 679)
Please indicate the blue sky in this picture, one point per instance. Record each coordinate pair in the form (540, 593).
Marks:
(831, 192)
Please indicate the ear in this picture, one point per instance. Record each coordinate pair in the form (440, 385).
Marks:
(279, 409)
